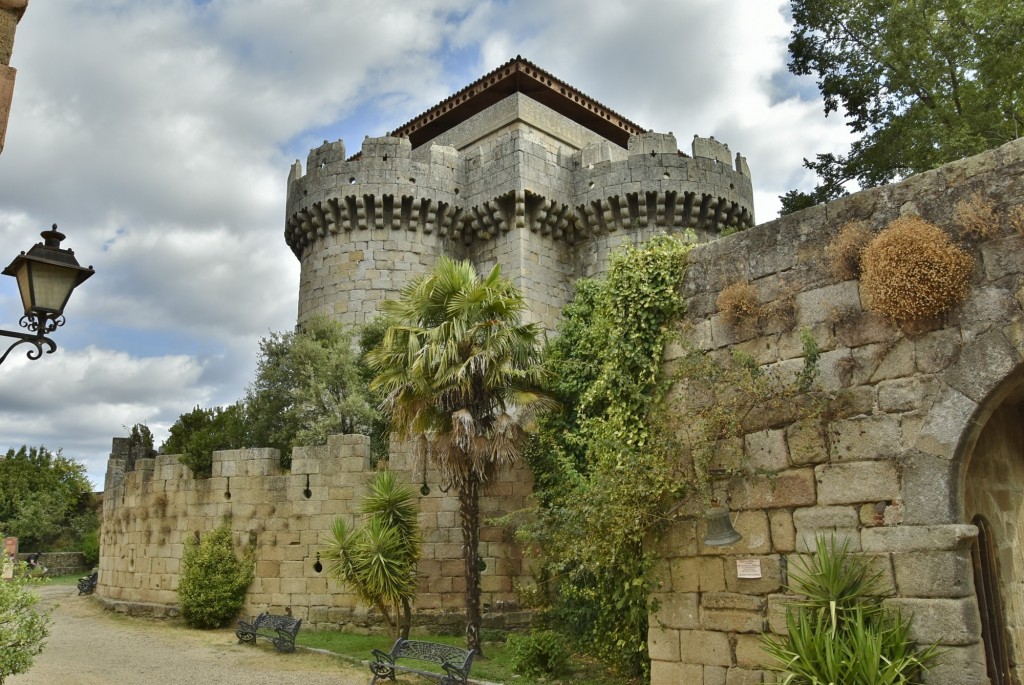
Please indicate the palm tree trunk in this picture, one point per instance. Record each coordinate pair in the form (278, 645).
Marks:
(469, 510)
(406, 618)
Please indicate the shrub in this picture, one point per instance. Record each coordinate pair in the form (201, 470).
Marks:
(213, 580)
(539, 653)
(91, 547)
(840, 632)
(845, 250)
(912, 271)
(977, 217)
(23, 628)
(739, 303)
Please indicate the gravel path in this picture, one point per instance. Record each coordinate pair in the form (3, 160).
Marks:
(90, 646)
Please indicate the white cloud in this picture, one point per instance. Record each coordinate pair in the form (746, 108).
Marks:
(158, 134)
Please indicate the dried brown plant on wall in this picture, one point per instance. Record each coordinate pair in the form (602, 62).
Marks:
(912, 271)
(976, 217)
(1017, 219)
(739, 303)
(845, 250)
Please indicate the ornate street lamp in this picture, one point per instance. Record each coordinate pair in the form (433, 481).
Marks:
(46, 276)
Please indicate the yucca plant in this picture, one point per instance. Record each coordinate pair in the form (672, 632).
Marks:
(378, 561)
(840, 633)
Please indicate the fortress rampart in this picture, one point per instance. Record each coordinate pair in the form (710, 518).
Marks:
(150, 510)
(516, 185)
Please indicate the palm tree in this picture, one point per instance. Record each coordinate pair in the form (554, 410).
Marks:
(378, 562)
(459, 371)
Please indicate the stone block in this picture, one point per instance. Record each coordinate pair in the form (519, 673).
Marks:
(777, 604)
(856, 482)
(819, 305)
(942, 621)
(663, 643)
(918, 538)
(705, 647)
(715, 675)
(732, 621)
(780, 522)
(675, 673)
(732, 600)
(948, 417)
(750, 652)
(789, 488)
(770, 580)
(982, 365)
(744, 676)
(677, 610)
(864, 438)
(806, 441)
(712, 574)
(934, 574)
(766, 450)
(684, 574)
(959, 666)
(929, 485)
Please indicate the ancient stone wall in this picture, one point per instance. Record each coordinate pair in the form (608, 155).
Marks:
(890, 472)
(151, 510)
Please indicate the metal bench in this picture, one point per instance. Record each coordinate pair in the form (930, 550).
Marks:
(87, 584)
(454, 660)
(281, 630)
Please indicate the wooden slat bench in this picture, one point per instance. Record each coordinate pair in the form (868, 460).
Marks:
(280, 630)
(455, 661)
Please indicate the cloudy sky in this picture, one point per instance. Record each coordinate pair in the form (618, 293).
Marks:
(158, 135)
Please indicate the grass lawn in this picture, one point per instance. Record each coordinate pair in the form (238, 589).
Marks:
(496, 667)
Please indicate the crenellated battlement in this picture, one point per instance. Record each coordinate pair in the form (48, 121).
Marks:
(152, 507)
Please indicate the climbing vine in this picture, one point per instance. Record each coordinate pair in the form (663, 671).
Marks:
(601, 482)
(636, 438)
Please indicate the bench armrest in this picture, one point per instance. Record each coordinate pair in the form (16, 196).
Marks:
(383, 656)
(455, 672)
(251, 627)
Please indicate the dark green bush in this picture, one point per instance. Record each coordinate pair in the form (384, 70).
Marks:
(539, 653)
(213, 580)
(91, 547)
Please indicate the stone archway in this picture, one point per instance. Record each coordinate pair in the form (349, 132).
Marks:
(993, 500)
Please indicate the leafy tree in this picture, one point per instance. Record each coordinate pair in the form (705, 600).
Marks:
(923, 83)
(308, 385)
(378, 561)
(199, 433)
(214, 580)
(42, 493)
(141, 437)
(458, 370)
(23, 628)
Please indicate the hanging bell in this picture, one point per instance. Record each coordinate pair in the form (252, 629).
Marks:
(720, 531)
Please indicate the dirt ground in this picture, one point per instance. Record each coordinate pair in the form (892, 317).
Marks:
(90, 646)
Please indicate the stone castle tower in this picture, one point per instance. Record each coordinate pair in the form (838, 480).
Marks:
(519, 169)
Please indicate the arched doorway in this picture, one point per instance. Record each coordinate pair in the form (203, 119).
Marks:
(994, 502)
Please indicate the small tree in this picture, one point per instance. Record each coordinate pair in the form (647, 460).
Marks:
(22, 627)
(459, 371)
(378, 562)
(213, 581)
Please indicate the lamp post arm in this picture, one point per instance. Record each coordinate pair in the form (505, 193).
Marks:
(36, 339)
(38, 326)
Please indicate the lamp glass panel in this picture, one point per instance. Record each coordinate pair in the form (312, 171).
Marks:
(51, 285)
(23, 286)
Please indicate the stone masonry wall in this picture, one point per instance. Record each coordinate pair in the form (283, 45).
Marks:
(150, 511)
(886, 474)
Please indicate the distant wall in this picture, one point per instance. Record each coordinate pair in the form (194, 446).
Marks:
(149, 512)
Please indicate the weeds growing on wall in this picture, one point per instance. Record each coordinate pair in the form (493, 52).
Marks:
(211, 590)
